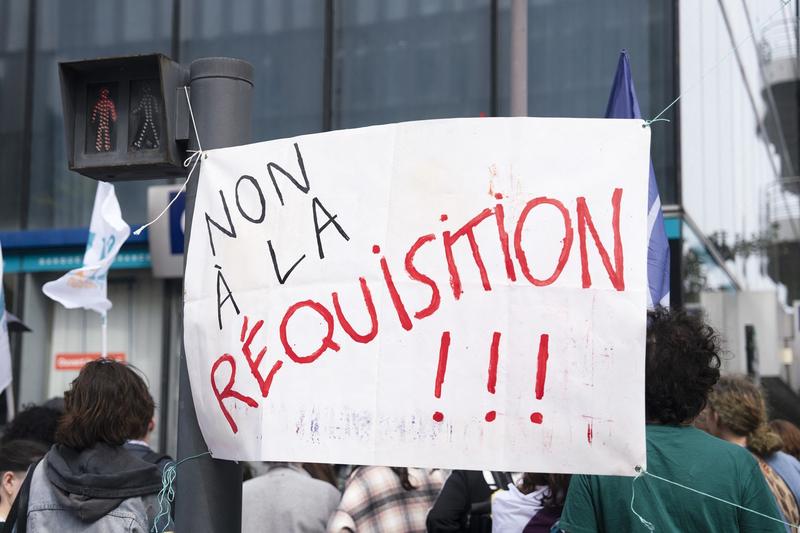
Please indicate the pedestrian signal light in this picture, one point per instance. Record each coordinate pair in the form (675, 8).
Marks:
(120, 117)
(101, 132)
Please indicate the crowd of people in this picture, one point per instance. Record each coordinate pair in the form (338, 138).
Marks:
(715, 462)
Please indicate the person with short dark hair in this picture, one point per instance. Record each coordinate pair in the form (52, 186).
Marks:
(16, 456)
(88, 482)
(33, 422)
(681, 367)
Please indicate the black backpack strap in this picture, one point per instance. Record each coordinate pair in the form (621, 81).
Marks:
(17, 519)
(490, 479)
(502, 479)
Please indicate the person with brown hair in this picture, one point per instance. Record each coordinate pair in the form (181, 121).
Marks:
(737, 413)
(382, 499)
(88, 482)
(790, 435)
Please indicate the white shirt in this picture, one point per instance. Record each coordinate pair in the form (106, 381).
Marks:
(512, 510)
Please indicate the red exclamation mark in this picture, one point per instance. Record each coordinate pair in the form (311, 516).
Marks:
(541, 373)
(492, 381)
(444, 347)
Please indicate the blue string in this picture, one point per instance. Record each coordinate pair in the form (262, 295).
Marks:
(167, 493)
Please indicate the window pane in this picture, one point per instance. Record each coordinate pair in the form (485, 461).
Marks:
(573, 49)
(283, 39)
(410, 60)
(69, 30)
(13, 22)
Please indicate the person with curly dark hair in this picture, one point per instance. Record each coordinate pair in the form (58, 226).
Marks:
(681, 367)
(33, 422)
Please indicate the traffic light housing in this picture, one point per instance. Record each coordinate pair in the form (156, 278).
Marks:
(120, 117)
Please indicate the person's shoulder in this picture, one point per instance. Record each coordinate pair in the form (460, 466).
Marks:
(256, 484)
(371, 470)
(470, 476)
(589, 482)
(327, 492)
(719, 457)
(306, 487)
(321, 487)
(721, 447)
(786, 465)
(698, 444)
(368, 474)
(422, 475)
(784, 458)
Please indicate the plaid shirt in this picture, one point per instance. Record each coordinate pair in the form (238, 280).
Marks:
(375, 502)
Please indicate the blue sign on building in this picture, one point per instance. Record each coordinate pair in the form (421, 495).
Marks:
(177, 223)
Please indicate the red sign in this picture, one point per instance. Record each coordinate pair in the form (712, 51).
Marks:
(75, 361)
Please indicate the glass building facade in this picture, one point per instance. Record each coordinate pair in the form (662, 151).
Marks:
(319, 65)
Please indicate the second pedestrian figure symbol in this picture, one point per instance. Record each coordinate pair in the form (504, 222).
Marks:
(147, 110)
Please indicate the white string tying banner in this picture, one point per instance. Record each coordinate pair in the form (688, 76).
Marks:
(649, 525)
(192, 161)
(712, 68)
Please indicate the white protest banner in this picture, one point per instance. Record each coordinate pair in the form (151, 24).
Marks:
(86, 286)
(464, 293)
(5, 348)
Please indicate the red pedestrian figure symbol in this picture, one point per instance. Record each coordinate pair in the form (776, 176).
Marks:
(104, 113)
(147, 136)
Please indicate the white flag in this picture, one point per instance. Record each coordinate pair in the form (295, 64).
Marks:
(5, 350)
(86, 286)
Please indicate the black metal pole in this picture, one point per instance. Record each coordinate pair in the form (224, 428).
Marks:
(327, 69)
(208, 491)
(494, 57)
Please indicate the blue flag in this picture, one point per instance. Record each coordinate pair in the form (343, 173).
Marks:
(622, 103)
